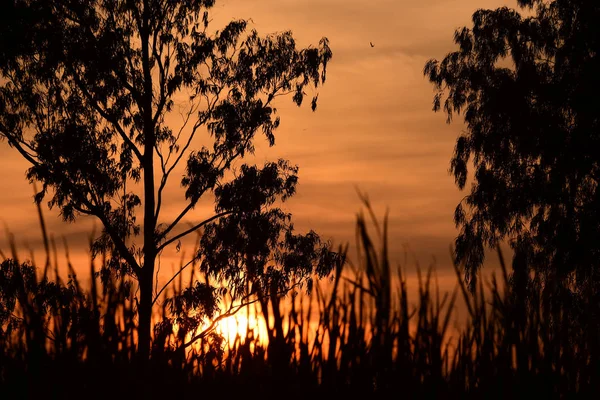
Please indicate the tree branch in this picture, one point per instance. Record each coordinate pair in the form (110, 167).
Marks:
(164, 163)
(19, 146)
(193, 228)
(172, 279)
(104, 114)
(232, 311)
(119, 244)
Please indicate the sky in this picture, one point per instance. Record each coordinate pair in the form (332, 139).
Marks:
(374, 129)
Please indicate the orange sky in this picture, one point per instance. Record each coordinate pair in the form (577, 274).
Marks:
(374, 128)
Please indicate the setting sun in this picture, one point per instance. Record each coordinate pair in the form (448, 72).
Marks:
(240, 325)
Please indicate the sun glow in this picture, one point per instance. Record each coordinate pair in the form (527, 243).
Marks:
(241, 326)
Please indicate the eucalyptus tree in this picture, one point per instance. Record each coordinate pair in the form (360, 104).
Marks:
(88, 95)
(527, 87)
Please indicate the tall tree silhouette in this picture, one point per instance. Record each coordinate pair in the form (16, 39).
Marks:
(86, 90)
(527, 88)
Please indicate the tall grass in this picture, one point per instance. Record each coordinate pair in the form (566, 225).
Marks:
(357, 334)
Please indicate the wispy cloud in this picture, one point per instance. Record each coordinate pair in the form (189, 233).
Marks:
(374, 128)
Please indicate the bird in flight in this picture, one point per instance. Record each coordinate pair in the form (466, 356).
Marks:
(371, 43)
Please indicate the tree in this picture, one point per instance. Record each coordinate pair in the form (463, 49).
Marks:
(527, 88)
(85, 92)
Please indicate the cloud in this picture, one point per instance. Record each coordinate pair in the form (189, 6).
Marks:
(373, 129)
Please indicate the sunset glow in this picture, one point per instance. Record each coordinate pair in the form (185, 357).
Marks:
(299, 199)
(238, 326)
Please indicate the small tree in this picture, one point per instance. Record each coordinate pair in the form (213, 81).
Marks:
(527, 87)
(85, 92)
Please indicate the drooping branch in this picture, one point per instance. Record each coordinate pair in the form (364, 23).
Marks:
(19, 146)
(104, 114)
(234, 309)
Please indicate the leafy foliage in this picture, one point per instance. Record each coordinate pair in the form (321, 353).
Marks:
(527, 89)
(86, 88)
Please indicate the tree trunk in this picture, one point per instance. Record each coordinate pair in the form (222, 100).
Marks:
(145, 315)
(147, 272)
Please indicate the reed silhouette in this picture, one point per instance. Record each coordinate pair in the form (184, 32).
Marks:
(358, 334)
